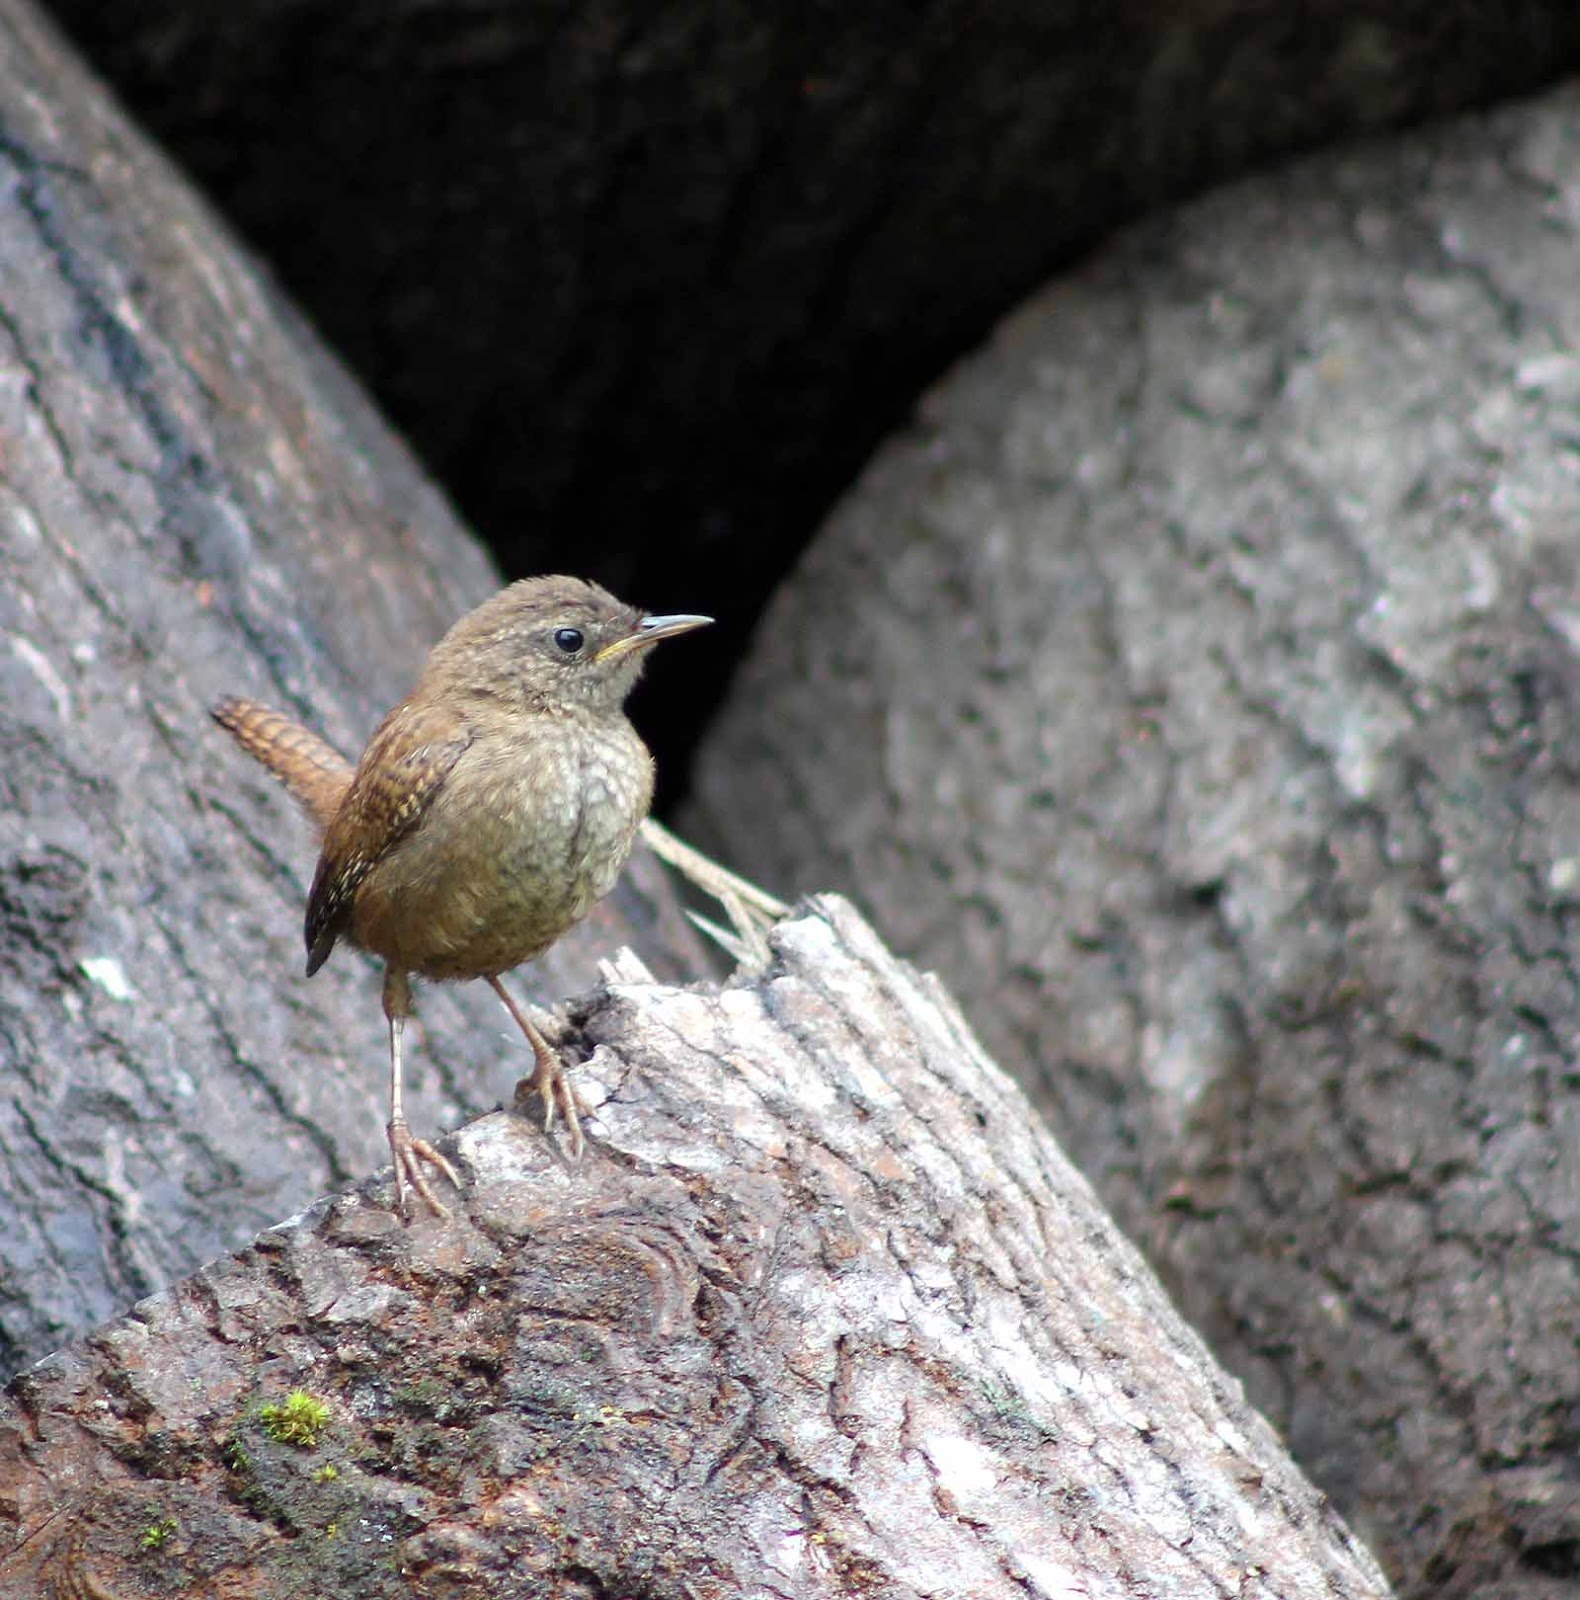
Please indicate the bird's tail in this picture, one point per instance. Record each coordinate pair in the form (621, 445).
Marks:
(316, 774)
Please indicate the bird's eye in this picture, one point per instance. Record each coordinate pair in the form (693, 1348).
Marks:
(568, 639)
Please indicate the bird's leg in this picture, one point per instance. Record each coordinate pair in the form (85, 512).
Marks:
(549, 1079)
(408, 1153)
(752, 911)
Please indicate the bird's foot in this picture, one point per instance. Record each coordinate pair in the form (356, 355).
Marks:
(409, 1155)
(549, 1081)
(552, 1086)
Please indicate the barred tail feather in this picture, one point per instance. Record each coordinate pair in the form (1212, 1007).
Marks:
(315, 773)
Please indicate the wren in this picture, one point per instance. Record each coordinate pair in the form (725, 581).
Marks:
(492, 808)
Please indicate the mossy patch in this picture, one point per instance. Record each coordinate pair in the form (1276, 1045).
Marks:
(157, 1533)
(299, 1419)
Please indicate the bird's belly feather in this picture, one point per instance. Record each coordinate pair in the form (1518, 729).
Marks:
(555, 848)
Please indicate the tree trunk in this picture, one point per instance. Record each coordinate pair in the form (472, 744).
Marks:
(1197, 690)
(823, 1312)
(193, 500)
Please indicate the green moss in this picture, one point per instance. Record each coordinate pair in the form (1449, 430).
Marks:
(437, 1398)
(299, 1419)
(425, 1398)
(158, 1533)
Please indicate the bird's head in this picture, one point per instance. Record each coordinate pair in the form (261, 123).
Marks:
(553, 642)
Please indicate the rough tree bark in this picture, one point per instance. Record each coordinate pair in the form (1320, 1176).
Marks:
(824, 1312)
(647, 280)
(1196, 688)
(193, 499)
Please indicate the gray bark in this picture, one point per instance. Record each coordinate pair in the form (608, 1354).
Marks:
(648, 280)
(823, 1312)
(193, 499)
(1196, 687)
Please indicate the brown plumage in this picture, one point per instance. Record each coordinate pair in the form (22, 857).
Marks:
(492, 808)
(315, 772)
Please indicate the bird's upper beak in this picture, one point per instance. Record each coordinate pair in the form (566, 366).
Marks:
(649, 631)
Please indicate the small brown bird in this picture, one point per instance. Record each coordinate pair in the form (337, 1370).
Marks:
(492, 808)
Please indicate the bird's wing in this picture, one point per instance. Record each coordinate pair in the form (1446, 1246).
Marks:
(404, 767)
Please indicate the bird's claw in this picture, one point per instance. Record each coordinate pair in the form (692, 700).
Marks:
(409, 1155)
(552, 1086)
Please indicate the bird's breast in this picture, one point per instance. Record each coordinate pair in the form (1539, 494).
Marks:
(532, 830)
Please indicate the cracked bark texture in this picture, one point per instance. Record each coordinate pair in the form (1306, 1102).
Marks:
(1195, 687)
(823, 1312)
(193, 499)
(648, 280)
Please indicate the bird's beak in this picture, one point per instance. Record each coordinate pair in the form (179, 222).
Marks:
(649, 631)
